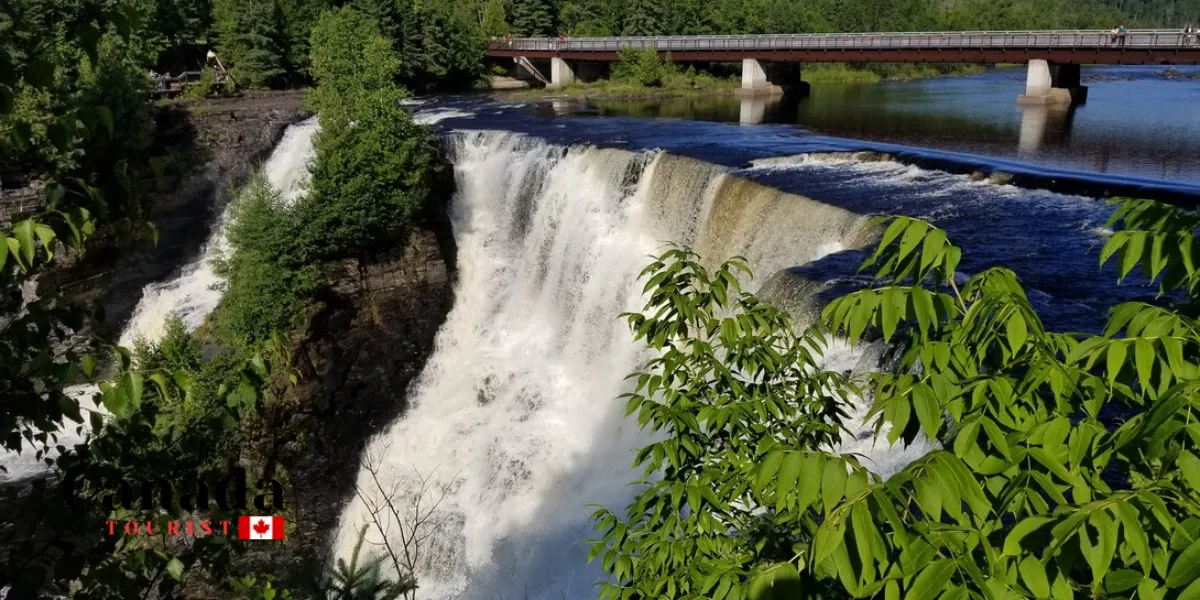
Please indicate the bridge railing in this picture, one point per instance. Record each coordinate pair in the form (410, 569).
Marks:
(1143, 38)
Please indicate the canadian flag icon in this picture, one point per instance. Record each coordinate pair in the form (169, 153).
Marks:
(260, 528)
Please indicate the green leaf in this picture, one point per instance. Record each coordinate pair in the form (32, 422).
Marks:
(1133, 251)
(106, 117)
(1135, 535)
(1191, 592)
(786, 482)
(1144, 356)
(1034, 576)
(912, 236)
(1186, 568)
(932, 581)
(23, 233)
(928, 410)
(1016, 330)
(833, 483)
(175, 568)
(1121, 580)
(1012, 543)
(779, 581)
(1116, 359)
(808, 488)
(1189, 465)
(767, 470)
(893, 306)
(893, 231)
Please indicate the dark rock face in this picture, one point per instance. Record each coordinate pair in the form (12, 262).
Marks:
(224, 141)
(355, 361)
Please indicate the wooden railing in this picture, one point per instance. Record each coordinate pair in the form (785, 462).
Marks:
(173, 85)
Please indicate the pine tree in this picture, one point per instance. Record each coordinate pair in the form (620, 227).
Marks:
(494, 23)
(645, 17)
(251, 40)
(532, 18)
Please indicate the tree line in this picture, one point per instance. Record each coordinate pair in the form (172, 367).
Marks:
(441, 42)
(696, 17)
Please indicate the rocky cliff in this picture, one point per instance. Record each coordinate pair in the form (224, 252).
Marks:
(354, 361)
(223, 141)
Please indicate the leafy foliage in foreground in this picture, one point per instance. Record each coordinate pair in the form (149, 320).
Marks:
(1036, 491)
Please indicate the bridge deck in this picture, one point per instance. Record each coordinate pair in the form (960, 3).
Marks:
(1155, 46)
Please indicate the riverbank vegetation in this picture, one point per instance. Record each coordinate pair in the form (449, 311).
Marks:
(845, 73)
(644, 74)
(1031, 488)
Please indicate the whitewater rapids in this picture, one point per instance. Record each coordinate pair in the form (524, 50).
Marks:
(191, 295)
(514, 426)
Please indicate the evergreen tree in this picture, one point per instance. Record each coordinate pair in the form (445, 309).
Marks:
(644, 18)
(298, 18)
(389, 15)
(533, 18)
(251, 40)
(494, 23)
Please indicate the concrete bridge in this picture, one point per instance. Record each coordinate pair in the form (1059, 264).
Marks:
(771, 63)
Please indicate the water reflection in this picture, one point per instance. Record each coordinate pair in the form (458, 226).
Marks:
(1136, 122)
(1044, 124)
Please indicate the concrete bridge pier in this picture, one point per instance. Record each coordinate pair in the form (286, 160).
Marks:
(771, 78)
(1053, 83)
(562, 73)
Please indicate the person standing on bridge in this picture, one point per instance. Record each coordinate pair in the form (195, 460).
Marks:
(1121, 33)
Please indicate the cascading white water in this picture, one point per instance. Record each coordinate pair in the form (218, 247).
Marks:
(191, 295)
(514, 424)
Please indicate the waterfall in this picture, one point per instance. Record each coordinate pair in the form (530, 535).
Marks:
(191, 295)
(514, 427)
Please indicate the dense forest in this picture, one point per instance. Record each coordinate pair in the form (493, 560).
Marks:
(266, 42)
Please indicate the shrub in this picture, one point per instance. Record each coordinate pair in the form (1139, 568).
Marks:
(369, 180)
(203, 87)
(266, 279)
(642, 66)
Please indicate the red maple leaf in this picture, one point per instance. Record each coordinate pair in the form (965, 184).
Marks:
(261, 527)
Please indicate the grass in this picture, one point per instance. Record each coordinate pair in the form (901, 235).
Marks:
(674, 84)
(837, 73)
(873, 73)
(693, 83)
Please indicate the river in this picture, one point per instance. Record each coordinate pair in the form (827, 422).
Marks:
(514, 422)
